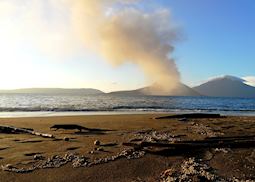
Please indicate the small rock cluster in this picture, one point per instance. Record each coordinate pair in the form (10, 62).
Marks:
(251, 158)
(155, 136)
(204, 130)
(224, 150)
(76, 160)
(194, 170)
(191, 170)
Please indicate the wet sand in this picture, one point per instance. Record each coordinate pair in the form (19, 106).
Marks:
(19, 149)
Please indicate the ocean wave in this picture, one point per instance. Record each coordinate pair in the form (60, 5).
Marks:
(104, 103)
(119, 108)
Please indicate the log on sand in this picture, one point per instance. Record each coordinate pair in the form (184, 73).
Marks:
(15, 130)
(190, 145)
(191, 115)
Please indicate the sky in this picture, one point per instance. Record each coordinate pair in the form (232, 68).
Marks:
(215, 38)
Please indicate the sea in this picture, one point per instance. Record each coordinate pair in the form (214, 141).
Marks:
(31, 105)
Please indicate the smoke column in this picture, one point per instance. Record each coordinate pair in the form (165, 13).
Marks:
(114, 29)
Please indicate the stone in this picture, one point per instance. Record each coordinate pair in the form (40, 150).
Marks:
(183, 119)
(38, 157)
(66, 139)
(96, 142)
(99, 149)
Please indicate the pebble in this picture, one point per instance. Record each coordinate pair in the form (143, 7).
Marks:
(66, 139)
(96, 142)
(183, 119)
(99, 149)
(38, 157)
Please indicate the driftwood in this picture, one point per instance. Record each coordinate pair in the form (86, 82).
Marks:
(191, 115)
(220, 142)
(74, 126)
(68, 127)
(15, 130)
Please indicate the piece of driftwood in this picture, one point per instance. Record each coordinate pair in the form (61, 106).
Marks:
(191, 115)
(68, 127)
(243, 142)
(232, 137)
(75, 127)
(15, 130)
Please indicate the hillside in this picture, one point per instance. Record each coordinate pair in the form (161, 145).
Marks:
(226, 86)
(180, 90)
(54, 91)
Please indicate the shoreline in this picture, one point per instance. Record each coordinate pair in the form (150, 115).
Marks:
(31, 114)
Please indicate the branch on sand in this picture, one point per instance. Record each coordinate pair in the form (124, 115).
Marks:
(15, 130)
(190, 145)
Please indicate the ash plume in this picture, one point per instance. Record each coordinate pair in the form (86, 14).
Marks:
(114, 29)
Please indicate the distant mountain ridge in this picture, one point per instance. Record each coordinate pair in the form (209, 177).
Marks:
(226, 86)
(54, 91)
(180, 90)
(223, 86)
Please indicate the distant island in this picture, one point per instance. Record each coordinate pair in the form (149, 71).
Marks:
(89, 91)
(224, 86)
(180, 90)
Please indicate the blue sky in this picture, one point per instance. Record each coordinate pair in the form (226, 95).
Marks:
(217, 38)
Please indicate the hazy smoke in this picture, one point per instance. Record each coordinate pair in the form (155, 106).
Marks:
(114, 29)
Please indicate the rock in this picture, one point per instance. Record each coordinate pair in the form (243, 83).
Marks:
(208, 155)
(96, 142)
(38, 157)
(66, 139)
(9, 166)
(99, 149)
(224, 150)
(183, 119)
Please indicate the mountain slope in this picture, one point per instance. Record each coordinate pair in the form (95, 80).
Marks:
(88, 91)
(226, 86)
(180, 90)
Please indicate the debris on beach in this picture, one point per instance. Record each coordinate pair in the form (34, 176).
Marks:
(96, 142)
(190, 170)
(155, 136)
(204, 130)
(168, 148)
(76, 127)
(38, 157)
(224, 150)
(251, 158)
(15, 130)
(99, 149)
(66, 139)
(191, 116)
(193, 169)
(68, 127)
(76, 160)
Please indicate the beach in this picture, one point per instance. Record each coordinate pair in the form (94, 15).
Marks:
(18, 151)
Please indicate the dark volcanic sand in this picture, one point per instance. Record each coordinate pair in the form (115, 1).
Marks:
(19, 148)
